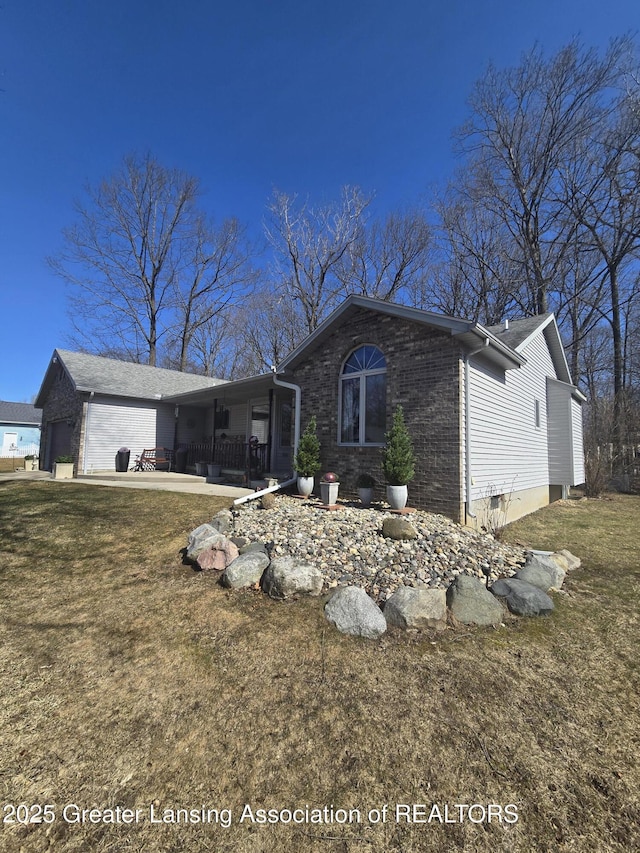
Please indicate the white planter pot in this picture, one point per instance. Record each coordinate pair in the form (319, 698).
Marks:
(329, 493)
(366, 496)
(201, 469)
(397, 496)
(63, 470)
(305, 486)
(29, 464)
(214, 470)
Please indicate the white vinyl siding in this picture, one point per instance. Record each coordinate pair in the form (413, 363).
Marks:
(559, 433)
(566, 462)
(578, 445)
(112, 423)
(508, 452)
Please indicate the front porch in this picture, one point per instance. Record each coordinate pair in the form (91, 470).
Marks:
(245, 427)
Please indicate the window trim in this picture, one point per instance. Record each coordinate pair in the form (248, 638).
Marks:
(360, 375)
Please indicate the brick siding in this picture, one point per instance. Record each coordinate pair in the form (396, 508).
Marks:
(423, 375)
(63, 404)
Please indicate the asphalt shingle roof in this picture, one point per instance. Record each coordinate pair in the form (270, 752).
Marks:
(126, 379)
(518, 331)
(19, 413)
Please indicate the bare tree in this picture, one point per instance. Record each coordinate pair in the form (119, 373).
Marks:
(213, 275)
(390, 258)
(144, 268)
(309, 244)
(524, 124)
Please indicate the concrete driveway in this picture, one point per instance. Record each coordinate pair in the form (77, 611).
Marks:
(154, 480)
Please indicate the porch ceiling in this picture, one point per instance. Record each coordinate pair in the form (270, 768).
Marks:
(229, 393)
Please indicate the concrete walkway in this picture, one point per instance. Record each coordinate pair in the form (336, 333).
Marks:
(154, 480)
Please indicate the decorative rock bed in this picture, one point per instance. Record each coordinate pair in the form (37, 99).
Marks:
(404, 564)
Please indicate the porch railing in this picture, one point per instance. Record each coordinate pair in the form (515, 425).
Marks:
(231, 455)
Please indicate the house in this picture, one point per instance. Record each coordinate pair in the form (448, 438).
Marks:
(495, 420)
(19, 429)
(92, 406)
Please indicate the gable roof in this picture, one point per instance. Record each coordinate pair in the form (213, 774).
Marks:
(471, 335)
(19, 413)
(120, 378)
(520, 332)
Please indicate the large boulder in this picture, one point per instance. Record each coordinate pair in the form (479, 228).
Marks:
(200, 539)
(572, 561)
(286, 577)
(542, 571)
(251, 547)
(522, 598)
(222, 521)
(417, 608)
(245, 570)
(353, 612)
(471, 602)
(218, 555)
(396, 527)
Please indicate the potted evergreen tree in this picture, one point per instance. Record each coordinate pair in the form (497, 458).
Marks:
(398, 461)
(307, 460)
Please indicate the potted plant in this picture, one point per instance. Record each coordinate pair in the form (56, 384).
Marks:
(63, 468)
(307, 459)
(398, 461)
(365, 485)
(29, 462)
(329, 486)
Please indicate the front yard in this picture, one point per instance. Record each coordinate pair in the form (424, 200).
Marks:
(133, 684)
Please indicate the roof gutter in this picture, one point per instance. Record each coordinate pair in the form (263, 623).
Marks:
(296, 438)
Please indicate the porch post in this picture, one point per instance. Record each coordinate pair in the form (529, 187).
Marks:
(269, 436)
(213, 432)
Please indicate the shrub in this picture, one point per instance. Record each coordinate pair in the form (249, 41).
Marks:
(63, 459)
(307, 460)
(365, 481)
(398, 460)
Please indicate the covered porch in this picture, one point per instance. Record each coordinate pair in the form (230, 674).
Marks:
(244, 426)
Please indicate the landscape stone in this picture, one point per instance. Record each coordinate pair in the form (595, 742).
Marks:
(268, 501)
(222, 521)
(417, 608)
(522, 598)
(471, 602)
(573, 562)
(353, 612)
(251, 547)
(245, 570)
(201, 539)
(542, 571)
(396, 527)
(218, 555)
(286, 577)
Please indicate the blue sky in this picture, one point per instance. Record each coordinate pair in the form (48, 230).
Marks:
(302, 96)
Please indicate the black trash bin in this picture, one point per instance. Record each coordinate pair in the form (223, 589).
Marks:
(181, 460)
(122, 459)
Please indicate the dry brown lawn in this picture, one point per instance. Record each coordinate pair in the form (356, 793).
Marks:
(129, 680)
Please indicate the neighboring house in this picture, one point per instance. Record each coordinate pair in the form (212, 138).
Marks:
(495, 420)
(19, 429)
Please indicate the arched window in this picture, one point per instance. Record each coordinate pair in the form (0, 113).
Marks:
(362, 396)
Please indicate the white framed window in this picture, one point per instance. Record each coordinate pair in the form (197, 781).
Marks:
(362, 397)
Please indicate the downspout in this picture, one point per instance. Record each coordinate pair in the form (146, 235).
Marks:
(86, 433)
(296, 438)
(467, 429)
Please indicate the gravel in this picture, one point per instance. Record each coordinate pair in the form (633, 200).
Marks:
(348, 547)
